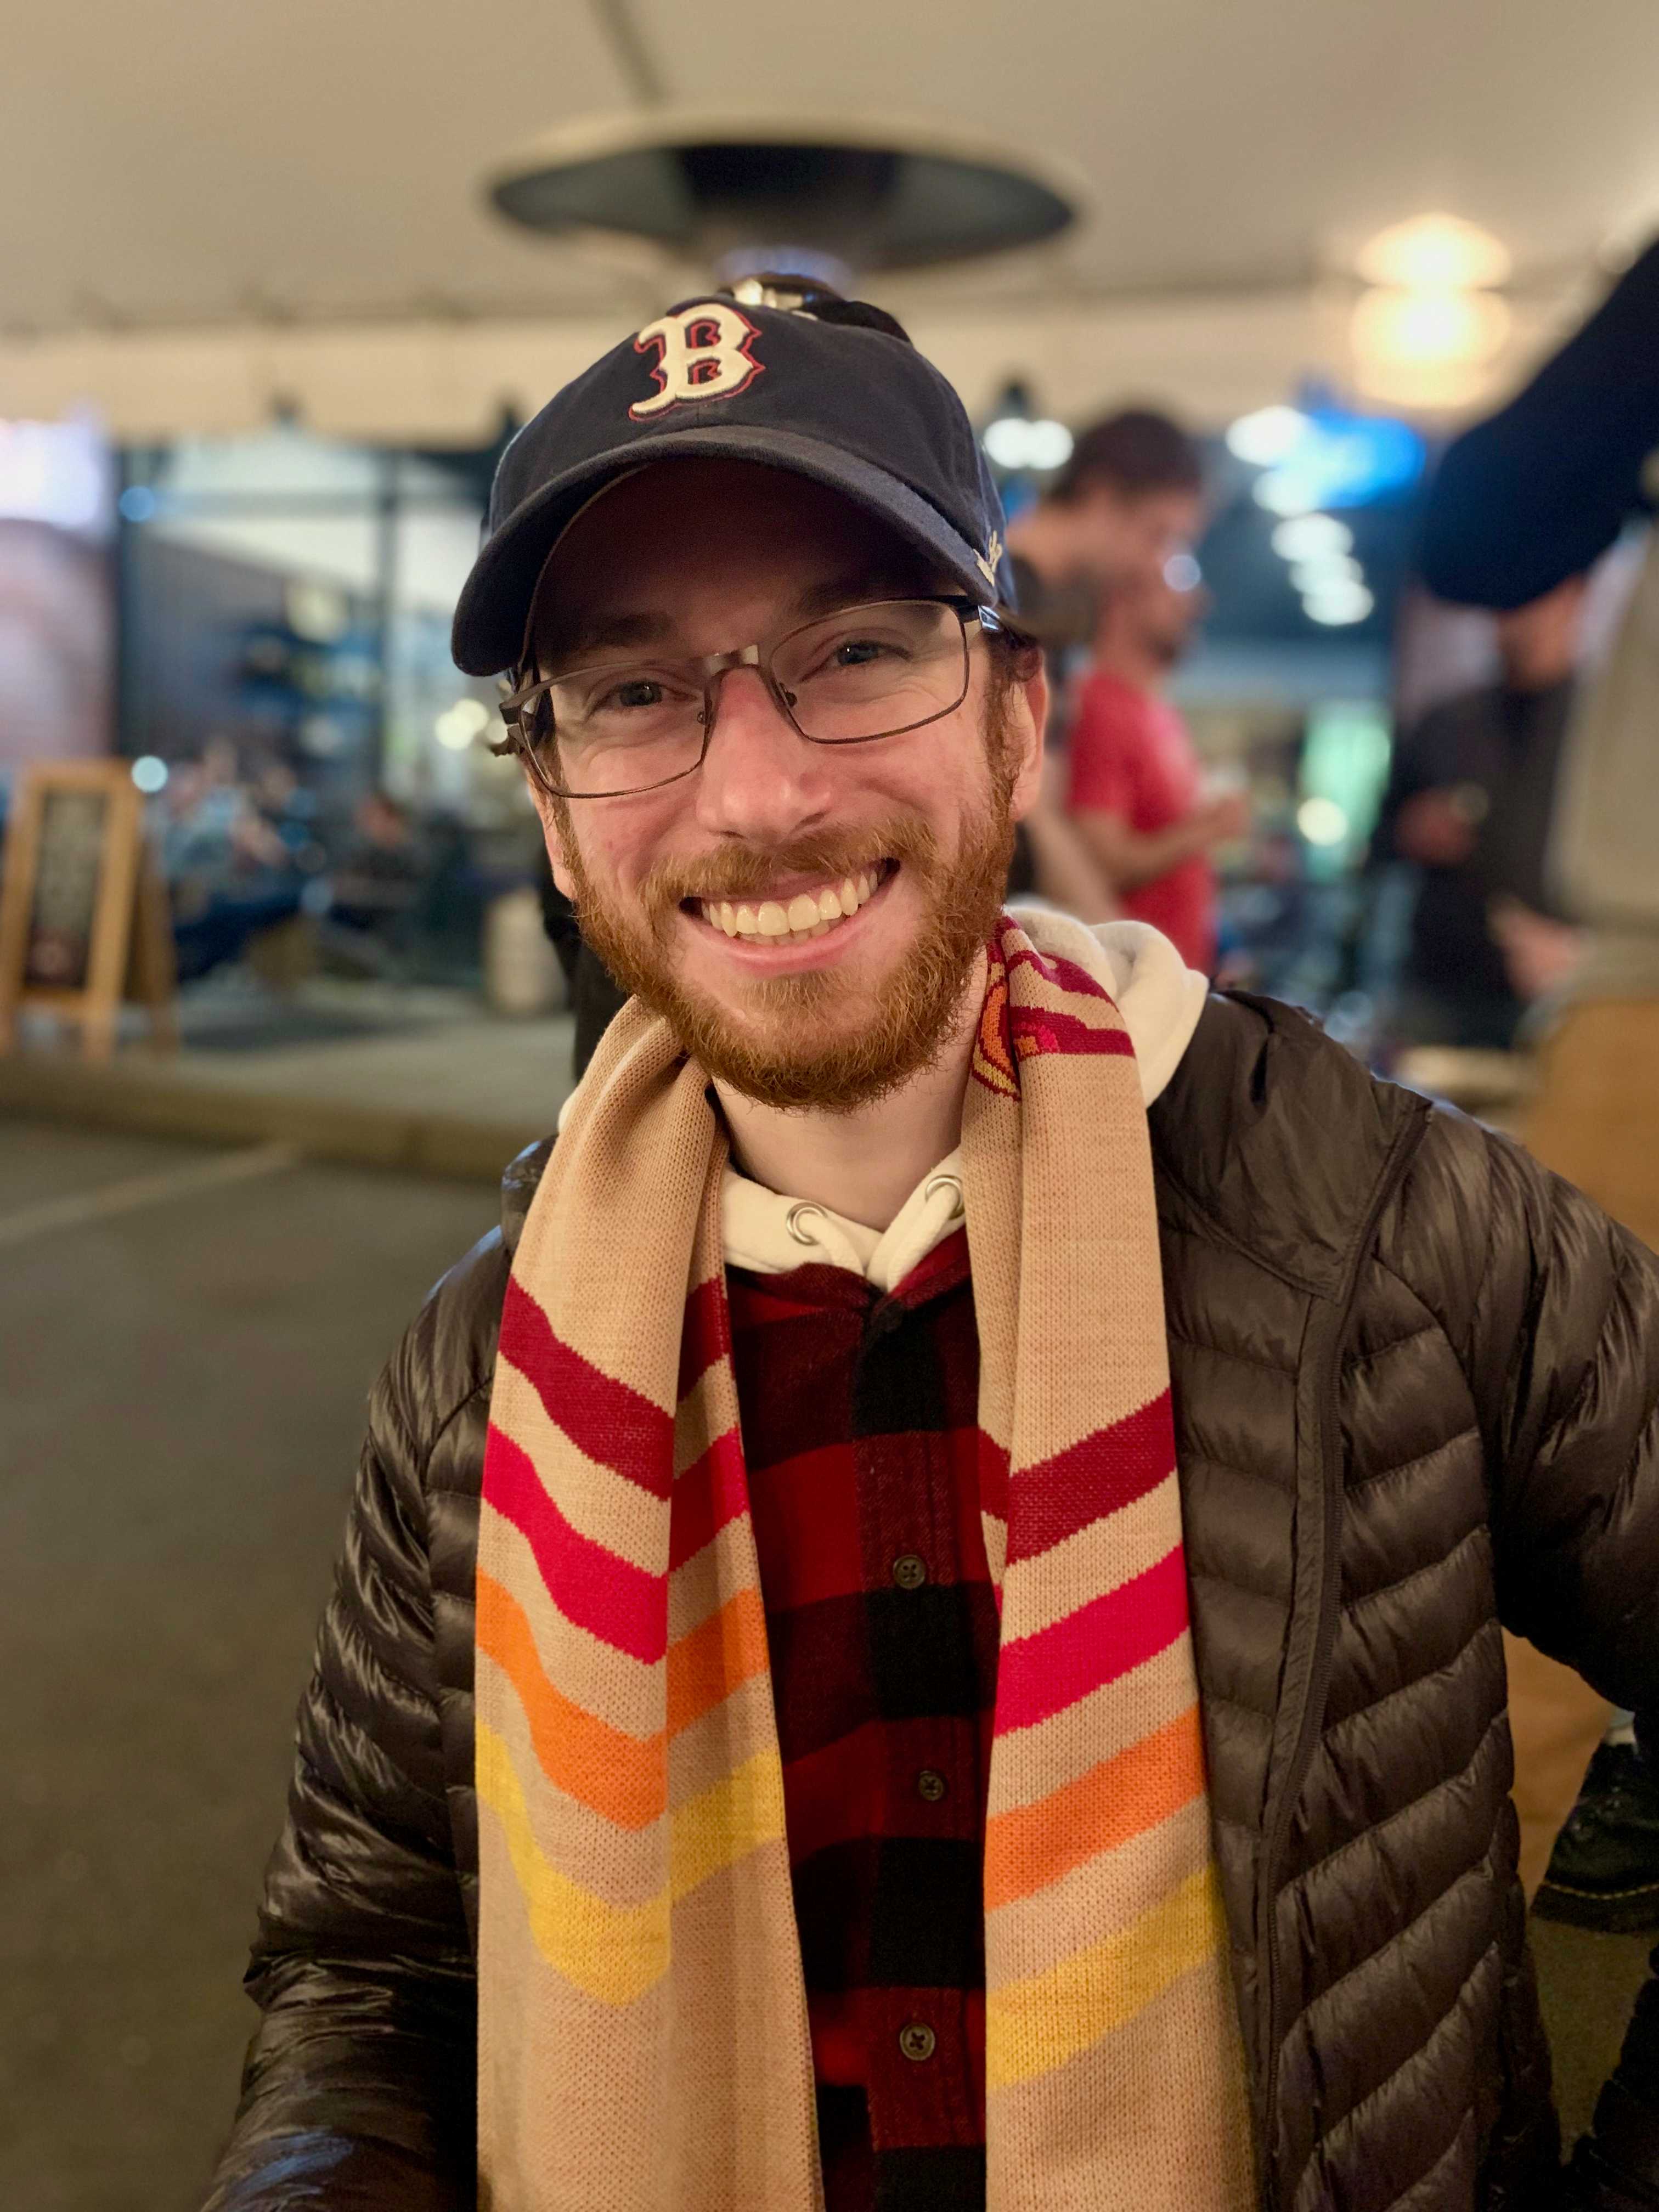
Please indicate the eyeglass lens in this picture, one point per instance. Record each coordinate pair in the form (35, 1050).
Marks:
(863, 672)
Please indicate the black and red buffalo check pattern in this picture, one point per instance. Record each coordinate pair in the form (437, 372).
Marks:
(860, 1435)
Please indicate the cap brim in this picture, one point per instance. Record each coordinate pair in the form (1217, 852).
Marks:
(494, 606)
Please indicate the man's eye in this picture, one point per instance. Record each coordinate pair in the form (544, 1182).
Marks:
(639, 692)
(859, 651)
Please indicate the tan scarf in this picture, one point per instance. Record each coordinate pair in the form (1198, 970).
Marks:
(642, 2040)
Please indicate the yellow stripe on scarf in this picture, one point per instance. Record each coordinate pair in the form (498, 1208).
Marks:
(616, 1952)
(1038, 2024)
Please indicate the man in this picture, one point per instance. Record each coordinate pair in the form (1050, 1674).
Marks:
(802, 1720)
(1130, 496)
(1468, 804)
(1135, 790)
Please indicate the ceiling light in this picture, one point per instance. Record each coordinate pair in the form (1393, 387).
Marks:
(1436, 251)
(1428, 326)
(1311, 537)
(1182, 572)
(1048, 446)
(1267, 437)
(1321, 822)
(1338, 603)
(149, 773)
(1326, 568)
(458, 725)
(1283, 492)
(1014, 443)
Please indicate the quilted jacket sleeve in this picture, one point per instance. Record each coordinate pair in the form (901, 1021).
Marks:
(1555, 1311)
(357, 2093)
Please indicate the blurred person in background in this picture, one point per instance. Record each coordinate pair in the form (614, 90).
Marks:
(1468, 806)
(1134, 789)
(920, 1628)
(1522, 504)
(231, 876)
(1130, 497)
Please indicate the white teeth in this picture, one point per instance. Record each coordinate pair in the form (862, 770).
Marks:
(806, 915)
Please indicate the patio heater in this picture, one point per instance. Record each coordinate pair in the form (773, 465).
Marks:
(826, 200)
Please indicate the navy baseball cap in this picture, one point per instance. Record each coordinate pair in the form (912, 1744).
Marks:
(830, 389)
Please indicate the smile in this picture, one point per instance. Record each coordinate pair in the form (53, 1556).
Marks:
(813, 912)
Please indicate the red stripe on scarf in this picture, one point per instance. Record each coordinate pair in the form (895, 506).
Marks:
(705, 1335)
(1040, 1029)
(1055, 969)
(603, 1418)
(712, 1492)
(1042, 1673)
(1103, 1472)
(591, 1587)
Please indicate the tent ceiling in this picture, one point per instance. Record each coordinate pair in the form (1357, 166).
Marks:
(189, 165)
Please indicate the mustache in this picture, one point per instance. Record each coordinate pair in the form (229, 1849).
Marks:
(741, 871)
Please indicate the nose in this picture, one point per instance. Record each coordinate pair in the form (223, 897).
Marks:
(760, 779)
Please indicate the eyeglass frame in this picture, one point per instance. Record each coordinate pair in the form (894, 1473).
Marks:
(713, 667)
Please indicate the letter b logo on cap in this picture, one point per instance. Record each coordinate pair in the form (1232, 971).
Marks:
(703, 354)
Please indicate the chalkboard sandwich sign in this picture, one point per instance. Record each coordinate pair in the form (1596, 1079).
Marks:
(84, 918)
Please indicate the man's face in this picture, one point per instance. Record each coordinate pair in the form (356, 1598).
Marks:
(907, 835)
(1129, 536)
(1165, 617)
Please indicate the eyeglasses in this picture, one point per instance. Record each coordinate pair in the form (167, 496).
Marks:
(637, 722)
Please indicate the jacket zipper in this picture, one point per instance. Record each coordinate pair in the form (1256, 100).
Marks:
(1310, 1720)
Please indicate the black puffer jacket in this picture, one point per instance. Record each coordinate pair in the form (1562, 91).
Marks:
(1415, 1382)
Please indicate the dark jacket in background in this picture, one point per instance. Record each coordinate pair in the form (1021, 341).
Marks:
(1525, 499)
(1416, 1384)
(1501, 749)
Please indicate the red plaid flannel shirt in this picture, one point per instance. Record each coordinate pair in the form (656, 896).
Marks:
(859, 1417)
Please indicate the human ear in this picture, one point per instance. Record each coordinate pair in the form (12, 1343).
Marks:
(556, 825)
(1028, 717)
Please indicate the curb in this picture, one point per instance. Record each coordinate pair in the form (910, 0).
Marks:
(133, 1097)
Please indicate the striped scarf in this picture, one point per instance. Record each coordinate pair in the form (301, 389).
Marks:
(642, 2040)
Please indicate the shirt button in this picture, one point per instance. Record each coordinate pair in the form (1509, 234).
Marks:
(931, 1784)
(916, 2040)
(909, 1572)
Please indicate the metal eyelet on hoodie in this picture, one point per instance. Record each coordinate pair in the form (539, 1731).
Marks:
(791, 1220)
(953, 1184)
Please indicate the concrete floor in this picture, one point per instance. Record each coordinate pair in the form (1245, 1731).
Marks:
(182, 1364)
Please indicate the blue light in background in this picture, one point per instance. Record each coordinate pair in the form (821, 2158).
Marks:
(1338, 458)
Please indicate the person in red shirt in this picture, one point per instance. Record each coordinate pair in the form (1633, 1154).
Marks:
(1135, 789)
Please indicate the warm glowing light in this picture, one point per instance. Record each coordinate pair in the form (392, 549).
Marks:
(1435, 252)
(1430, 326)
(1267, 437)
(1311, 537)
(1321, 822)
(458, 725)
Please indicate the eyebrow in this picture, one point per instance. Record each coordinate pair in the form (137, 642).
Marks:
(655, 627)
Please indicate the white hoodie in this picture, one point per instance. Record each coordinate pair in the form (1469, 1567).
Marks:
(1160, 999)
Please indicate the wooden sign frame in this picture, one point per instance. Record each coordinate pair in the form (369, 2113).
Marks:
(129, 947)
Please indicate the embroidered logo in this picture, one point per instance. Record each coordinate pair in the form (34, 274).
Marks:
(988, 559)
(702, 352)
